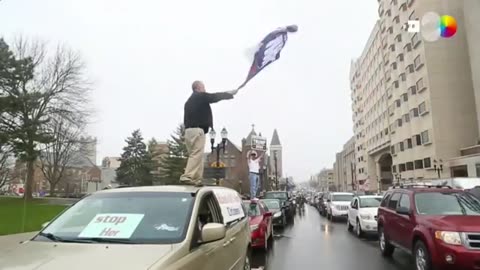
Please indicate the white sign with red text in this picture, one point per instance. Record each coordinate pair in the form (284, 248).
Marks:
(112, 226)
(230, 203)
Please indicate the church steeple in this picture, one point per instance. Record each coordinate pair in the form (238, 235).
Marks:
(275, 138)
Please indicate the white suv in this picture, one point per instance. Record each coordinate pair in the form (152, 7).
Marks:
(362, 214)
(338, 204)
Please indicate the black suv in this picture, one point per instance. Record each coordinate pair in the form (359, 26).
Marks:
(285, 200)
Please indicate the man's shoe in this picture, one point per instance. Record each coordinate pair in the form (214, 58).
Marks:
(187, 182)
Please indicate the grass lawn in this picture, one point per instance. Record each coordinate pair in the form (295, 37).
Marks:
(37, 212)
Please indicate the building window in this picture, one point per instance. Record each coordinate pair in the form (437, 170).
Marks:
(390, 30)
(414, 112)
(402, 147)
(409, 166)
(394, 65)
(397, 103)
(386, 131)
(405, 97)
(409, 143)
(412, 90)
(416, 40)
(417, 139)
(406, 118)
(389, 92)
(399, 122)
(403, 77)
(418, 62)
(394, 168)
(427, 163)
(392, 150)
(419, 164)
(410, 69)
(396, 19)
(398, 38)
(396, 84)
(403, 7)
(401, 167)
(408, 47)
(425, 137)
(400, 57)
(420, 85)
(477, 168)
(388, 13)
(422, 108)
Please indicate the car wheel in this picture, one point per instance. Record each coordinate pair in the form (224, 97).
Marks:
(358, 229)
(385, 247)
(422, 257)
(246, 264)
(349, 226)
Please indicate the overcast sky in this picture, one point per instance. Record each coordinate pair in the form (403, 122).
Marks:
(144, 54)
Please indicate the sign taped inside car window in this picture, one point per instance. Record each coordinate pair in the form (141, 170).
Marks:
(230, 204)
(112, 225)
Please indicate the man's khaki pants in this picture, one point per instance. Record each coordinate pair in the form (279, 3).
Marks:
(195, 143)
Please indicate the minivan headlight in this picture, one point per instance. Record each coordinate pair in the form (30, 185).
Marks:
(451, 238)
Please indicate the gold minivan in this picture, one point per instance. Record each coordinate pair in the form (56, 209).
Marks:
(157, 227)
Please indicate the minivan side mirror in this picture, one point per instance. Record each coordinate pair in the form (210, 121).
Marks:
(213, 232)
(403, 211)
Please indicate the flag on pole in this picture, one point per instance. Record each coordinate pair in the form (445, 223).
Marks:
(268, 51)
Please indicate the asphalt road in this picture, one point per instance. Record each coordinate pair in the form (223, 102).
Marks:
(313, 242)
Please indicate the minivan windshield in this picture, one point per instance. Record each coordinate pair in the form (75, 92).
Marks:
(447, 204)
(134, 217)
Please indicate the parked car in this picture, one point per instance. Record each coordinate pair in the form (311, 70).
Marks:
(286, 201)
(438, 226)
(278, 212)
(322, 204)
(338, 204)
(362, 214)
(261, 225)
(154, 227)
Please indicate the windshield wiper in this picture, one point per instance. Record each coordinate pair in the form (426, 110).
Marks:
(55, 238)
(109, 240)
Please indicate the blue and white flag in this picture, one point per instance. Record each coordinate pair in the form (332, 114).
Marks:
(268, 51)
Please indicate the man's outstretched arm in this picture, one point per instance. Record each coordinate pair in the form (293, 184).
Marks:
(216, 97)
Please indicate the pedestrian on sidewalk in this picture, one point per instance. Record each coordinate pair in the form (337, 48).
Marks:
(198, 120)
(253, 172)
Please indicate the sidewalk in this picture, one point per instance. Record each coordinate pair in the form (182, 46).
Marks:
(10, 241)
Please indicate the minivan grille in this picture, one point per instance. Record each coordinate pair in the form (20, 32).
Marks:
(472, 240)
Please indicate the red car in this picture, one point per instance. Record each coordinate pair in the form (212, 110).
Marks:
(439, 227)
(261, 225)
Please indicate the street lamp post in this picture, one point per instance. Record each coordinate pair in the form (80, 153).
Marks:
(220, 146)
(438, 168)
(276, 172)
(398, 176)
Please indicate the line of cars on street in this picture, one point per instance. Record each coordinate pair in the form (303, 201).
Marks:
(439, 226)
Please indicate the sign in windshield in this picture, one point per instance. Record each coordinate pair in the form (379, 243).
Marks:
(138, 217)
(230, 203)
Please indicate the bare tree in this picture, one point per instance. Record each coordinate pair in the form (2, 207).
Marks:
(5, 168)
(62, 152)
(56, 87)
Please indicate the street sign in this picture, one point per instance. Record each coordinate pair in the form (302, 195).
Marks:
(259, 143)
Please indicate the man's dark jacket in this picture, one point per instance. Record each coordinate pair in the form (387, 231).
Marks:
(197, 110)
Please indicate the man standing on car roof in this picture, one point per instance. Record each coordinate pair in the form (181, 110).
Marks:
(198, 120)
(253, 172)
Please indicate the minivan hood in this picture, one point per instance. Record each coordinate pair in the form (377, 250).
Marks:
(453, 223)
(72, 256)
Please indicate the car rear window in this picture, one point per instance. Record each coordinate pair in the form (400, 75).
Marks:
(276, 195)
(342, 197)
(370, 202)
(253, 209)
(447, 204)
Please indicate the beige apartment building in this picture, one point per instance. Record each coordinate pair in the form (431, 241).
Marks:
(343, 169)
(413, 100)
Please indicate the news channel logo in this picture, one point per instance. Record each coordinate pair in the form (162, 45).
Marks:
(433, 26)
